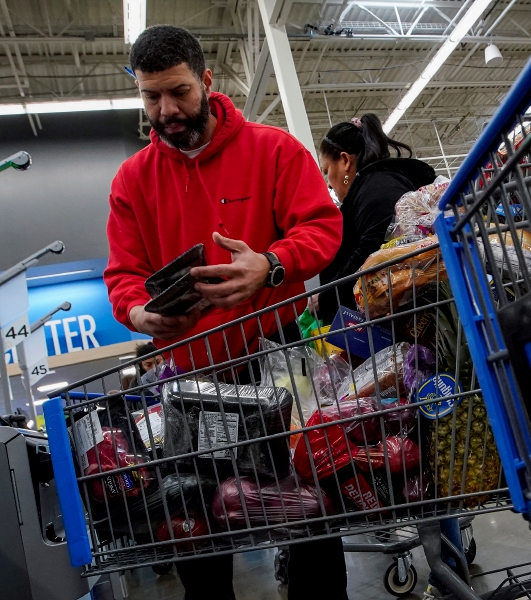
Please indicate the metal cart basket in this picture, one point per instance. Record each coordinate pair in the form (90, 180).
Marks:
(296, 439)
(484, 236)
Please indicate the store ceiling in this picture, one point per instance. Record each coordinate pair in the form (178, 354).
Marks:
(351, 59)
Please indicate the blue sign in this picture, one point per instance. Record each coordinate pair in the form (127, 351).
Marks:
(436, 387)
(88, 324)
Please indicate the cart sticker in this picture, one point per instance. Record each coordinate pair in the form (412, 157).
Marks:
(212, 433)
(155, 420)
(86, 434)
(436, 387)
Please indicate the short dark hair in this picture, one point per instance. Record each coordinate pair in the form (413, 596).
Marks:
(143, 349)
(164, 46)
(369, 143)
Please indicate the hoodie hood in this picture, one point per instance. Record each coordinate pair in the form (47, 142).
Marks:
(416, 171)
(229, 122)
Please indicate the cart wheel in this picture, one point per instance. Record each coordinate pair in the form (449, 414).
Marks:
(162, 569)
(470, 554)
(393, 585)
(281, 566)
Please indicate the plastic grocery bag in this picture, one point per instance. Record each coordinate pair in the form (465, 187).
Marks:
(394, 285)
(268, 503)
(389, 373)
(308, 323)
(343, 439)
(415, 212)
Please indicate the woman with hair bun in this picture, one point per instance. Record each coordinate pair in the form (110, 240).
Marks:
(356, 159)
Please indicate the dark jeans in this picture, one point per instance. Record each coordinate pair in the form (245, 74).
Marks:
(316, 570)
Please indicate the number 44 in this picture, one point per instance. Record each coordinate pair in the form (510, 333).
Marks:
(23, 331)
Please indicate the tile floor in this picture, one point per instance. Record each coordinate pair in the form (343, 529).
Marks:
(503, 539)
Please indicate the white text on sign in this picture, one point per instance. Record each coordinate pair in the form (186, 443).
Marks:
(78, 333)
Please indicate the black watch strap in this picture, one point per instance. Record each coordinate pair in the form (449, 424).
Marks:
(276, 273)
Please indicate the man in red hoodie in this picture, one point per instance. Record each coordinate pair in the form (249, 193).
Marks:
(254, 196)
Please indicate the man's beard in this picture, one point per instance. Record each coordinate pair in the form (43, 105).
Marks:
(194, 127)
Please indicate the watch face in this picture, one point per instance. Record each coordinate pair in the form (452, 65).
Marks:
(277, 275)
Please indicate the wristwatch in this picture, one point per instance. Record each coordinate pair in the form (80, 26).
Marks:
(276, 273)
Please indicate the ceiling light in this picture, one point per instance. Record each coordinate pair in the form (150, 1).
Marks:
(129, 356)
(60, 274)
(493, 56)
(33, 108)
(52, 386)
(134, 19)
(470, 17)
(40, 402)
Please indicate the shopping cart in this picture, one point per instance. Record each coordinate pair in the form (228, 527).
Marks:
(295, 440)
(485, 245)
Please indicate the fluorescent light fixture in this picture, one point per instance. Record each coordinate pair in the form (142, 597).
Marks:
(385, 4)
(470, 17)
(40, 402)
(60, 274)
(134, 19)
(392, 4)
(52, 386)
(128, 357)
(41, 108)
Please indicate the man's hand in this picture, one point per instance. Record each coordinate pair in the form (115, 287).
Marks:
(313, 303)
(165, 328)
(245, 276)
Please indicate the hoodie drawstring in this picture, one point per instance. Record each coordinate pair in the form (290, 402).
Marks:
(214, 206)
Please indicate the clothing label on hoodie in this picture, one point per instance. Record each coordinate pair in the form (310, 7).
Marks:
(212, 433)
(87, 436)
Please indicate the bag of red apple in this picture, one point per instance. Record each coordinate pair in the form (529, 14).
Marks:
(268, 503)
(332, 446)
(105, 439)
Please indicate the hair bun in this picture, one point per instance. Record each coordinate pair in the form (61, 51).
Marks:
(356, 122)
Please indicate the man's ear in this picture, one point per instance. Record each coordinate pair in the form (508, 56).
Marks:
(206, 79)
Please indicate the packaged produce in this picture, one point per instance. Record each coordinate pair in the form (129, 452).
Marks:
(106, 439)
(201, 416)
(401, 421)
(156, 423)
(388, 372)
(403, 455)
(332, 447)
(505, 253)
(183, 528)
(268, 503)
(418, 365)
(394, 284)
(416, 211)
(317, 381)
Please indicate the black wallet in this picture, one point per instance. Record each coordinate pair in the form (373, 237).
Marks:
(172, 288)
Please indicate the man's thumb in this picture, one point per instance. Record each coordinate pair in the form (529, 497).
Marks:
(228, 244)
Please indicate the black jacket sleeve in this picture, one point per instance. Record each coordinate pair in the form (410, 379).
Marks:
(367, 220)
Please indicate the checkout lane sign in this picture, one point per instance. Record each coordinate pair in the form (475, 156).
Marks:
(36, 354)
(14, 306)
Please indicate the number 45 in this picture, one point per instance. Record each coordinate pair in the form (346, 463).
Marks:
(40, 370)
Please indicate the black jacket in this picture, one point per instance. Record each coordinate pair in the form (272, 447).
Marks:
(367, 211)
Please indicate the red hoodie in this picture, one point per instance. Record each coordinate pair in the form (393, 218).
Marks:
(253, 183)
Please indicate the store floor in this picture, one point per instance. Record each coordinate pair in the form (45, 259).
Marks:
(503, 540)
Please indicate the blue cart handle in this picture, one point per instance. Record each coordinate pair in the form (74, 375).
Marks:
(67, 488)
(517, 100)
